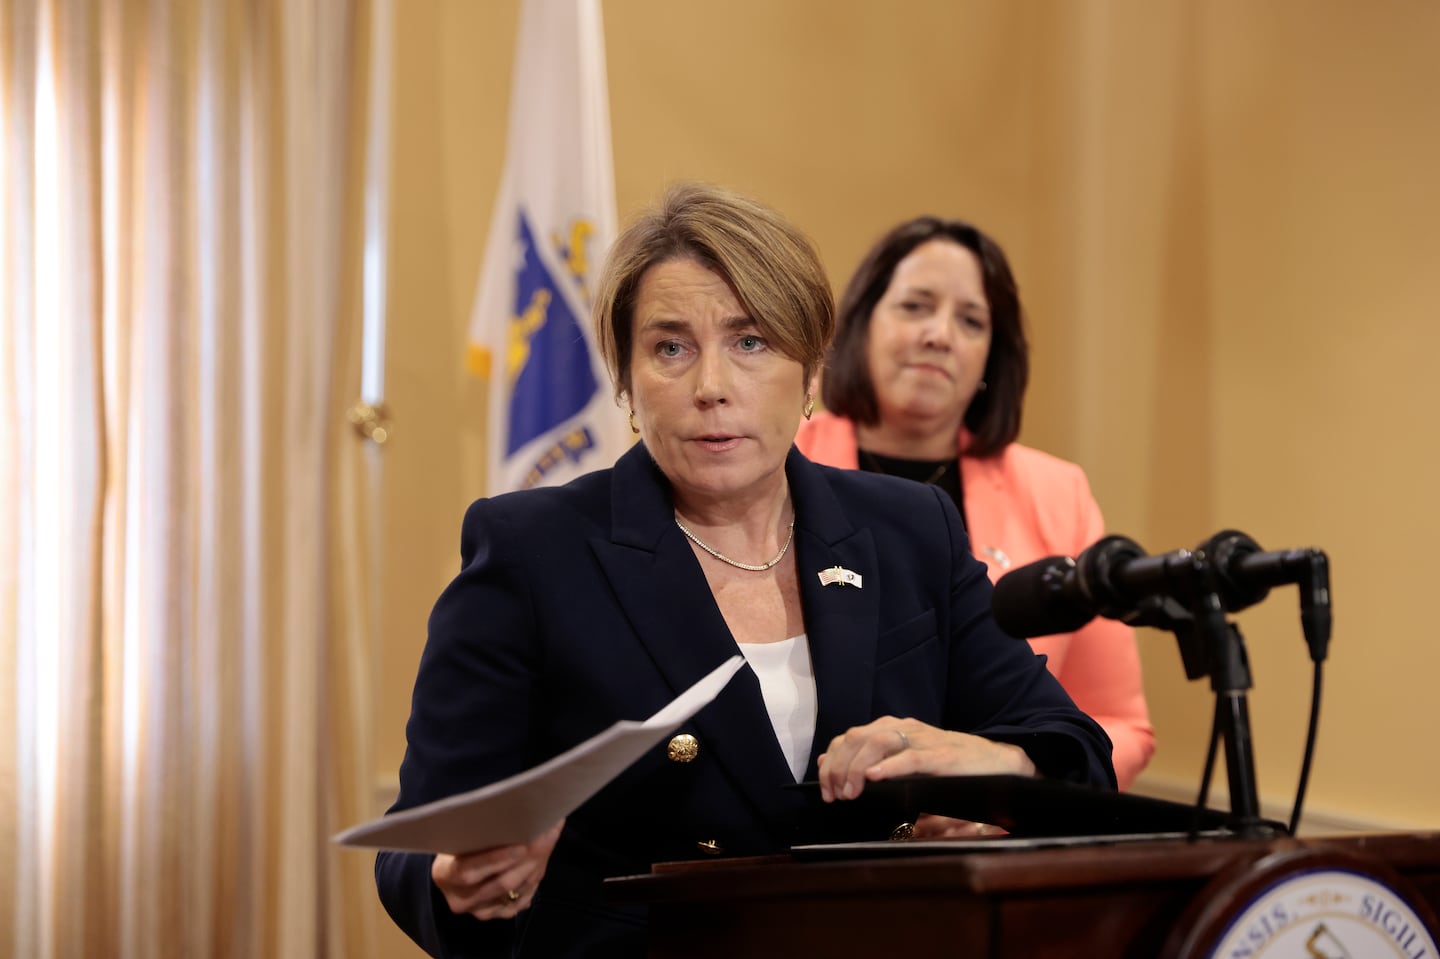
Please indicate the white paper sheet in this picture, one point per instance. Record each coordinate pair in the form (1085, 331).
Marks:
(518, 809)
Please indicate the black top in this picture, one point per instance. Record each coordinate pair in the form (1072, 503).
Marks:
(942, 474)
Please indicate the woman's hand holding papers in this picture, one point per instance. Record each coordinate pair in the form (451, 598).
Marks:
(496, 883)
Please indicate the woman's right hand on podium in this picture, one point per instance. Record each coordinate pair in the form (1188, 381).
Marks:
(495, 883)
(889, 747)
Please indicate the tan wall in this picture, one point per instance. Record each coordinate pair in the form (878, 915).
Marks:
(1223, 217)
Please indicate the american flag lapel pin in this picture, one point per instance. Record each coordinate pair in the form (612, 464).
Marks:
(842, 576)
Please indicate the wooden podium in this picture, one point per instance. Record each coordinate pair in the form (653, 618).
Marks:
(1145, 898)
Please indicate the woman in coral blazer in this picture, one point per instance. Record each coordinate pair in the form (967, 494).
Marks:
(925, 380)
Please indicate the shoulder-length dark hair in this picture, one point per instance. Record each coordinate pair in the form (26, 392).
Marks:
(993, 417)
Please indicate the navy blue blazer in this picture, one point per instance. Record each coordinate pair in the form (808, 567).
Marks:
(583, 604)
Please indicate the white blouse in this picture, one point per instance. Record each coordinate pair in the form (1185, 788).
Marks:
(787, 681)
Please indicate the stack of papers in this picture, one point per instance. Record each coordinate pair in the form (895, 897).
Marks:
(518, 809)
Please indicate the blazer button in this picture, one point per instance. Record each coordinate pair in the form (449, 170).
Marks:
(710, 847)
(683, 748)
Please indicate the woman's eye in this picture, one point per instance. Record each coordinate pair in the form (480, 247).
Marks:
(669, 348)
(750, 344)
(912, 306)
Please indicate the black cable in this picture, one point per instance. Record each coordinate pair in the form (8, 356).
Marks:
(1315, 687)
(1202, 801)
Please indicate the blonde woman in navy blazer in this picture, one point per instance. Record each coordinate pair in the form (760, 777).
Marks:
(603, 599)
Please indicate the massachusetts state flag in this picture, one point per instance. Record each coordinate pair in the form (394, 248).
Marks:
(552, 413)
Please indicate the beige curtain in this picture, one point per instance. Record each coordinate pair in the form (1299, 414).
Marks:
(185, 652)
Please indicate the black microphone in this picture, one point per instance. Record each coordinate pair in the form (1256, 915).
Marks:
(1041, 598)
(1116, 572)
(1244, 575)
(1112, 578)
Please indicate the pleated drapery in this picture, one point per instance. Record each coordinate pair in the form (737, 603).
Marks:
(180, 636)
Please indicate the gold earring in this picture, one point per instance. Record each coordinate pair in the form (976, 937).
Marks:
(633, 428)
(809, 405)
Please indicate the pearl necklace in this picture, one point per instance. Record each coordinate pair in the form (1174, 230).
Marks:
(736, 563)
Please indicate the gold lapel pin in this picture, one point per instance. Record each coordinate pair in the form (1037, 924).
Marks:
(997, 554)
(842, 576)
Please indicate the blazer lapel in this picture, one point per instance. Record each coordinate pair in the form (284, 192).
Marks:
(983, 481)
(663, 591)
(841, 621)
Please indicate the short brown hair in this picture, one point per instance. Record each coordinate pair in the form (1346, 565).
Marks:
(772, 267)
(993, 416)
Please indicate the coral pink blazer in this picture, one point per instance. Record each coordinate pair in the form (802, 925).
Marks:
(1023, 505)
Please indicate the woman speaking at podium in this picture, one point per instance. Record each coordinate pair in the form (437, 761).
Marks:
(864, 618)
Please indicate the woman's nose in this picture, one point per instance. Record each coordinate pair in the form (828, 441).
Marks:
(711, 380)
(938, 333)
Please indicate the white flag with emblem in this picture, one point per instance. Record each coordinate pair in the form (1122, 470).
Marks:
(552, 413)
